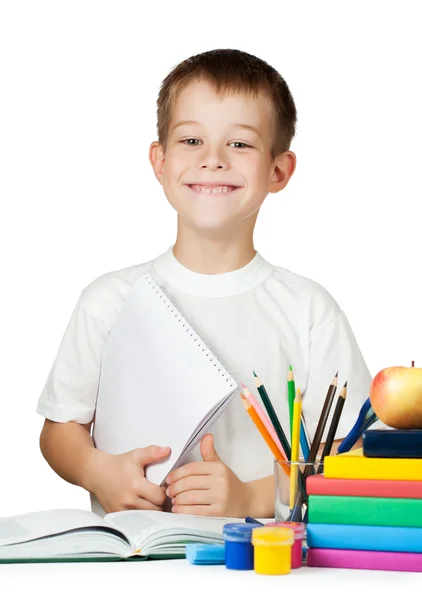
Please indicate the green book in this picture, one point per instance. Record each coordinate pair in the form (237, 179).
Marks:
(357, 510)
(73, 535)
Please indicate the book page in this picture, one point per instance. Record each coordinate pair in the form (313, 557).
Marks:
(140, 524)
(31, 526)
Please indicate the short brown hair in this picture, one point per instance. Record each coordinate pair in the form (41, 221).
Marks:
(234, 71)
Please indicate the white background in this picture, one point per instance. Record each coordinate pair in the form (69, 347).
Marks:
(79, 82)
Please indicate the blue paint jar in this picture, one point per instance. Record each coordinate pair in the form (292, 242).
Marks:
(238, 548)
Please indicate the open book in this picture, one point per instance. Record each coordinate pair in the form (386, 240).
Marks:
(74, 534)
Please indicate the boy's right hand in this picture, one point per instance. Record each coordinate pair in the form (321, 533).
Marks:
(118, 480)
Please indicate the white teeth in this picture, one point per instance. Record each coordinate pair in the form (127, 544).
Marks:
(212, 190)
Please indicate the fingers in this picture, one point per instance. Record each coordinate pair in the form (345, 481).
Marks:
(197, 482)
(143, 504)
(150, 454)
(208, 452)
(150, 492)
(192, 498)
(195, 468)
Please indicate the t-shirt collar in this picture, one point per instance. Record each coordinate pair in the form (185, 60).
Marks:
(219, 285)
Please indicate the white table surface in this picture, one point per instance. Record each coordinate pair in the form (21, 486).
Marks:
(174, 579)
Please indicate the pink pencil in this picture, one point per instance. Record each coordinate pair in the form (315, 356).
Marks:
(269, 427)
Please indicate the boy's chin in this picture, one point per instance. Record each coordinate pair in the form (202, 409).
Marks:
(214, 225)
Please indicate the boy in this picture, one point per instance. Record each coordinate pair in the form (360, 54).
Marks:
(225, 123)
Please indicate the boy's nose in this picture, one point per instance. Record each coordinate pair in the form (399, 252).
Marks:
(213, 163)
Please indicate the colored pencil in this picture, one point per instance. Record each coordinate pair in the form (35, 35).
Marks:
(291, 393)
(294, 468)
(254, 402)
(262, 430)
(272, 415)
(304, 444)
(252, 520)
(333, 427)
(321, 424)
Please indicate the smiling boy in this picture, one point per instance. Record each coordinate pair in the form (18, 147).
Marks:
(226, 120)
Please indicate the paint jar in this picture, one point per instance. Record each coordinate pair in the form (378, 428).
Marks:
(299, 534)
(272, 550)
(238, 549)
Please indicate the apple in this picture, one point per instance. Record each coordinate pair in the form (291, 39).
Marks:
(396, 397)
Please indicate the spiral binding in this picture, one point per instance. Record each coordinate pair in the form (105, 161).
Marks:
(156, 288)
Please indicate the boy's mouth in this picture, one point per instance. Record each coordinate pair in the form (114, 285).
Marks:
(213, 189)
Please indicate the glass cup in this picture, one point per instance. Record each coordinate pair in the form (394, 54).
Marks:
(290, 488)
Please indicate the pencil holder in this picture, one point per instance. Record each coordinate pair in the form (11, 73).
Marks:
(290, 497)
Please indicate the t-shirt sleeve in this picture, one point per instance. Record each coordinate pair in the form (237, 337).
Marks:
(70, 391)
(333, 348)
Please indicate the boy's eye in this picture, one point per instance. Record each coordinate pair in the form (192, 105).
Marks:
(190, 140)
(187, 143)
(242, 144)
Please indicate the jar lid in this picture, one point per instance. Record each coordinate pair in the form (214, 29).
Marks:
(272, 536)
(239, 532)
(298, 528)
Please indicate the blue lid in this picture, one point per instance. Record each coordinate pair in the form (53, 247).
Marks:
(239, 532)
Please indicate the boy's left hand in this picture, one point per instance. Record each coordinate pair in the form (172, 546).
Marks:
(208, 488)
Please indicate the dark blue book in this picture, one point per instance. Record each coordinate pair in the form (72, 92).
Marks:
(393, 443)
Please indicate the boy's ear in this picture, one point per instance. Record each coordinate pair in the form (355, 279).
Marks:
(283, 168)
(156, 158)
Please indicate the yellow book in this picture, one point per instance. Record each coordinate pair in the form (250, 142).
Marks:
(353, 465)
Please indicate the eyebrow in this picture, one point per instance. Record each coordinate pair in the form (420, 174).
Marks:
(238, 125)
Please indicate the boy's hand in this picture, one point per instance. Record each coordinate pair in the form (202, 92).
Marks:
(208, 488)
(119, 483)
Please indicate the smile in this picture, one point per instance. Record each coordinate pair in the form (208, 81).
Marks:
(214, 190)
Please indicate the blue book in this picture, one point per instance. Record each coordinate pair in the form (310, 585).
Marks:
(393, 443)
(365, 537)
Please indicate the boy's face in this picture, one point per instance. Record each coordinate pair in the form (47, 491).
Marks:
(214, 149)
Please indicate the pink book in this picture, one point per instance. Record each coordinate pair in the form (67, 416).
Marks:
(365, 559)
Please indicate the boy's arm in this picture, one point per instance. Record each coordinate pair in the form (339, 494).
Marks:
(68, 448)
(117, 481)
(261, 497)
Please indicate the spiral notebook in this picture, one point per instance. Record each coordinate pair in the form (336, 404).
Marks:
(159, 383)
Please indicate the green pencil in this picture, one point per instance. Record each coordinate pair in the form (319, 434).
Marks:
(291, 392)
(273, 417)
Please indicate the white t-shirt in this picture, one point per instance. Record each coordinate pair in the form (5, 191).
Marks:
(258, 318)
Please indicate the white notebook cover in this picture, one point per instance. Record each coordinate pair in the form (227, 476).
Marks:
(158, 380)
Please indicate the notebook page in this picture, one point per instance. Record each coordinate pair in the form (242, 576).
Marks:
(158, 379)
(199, 433)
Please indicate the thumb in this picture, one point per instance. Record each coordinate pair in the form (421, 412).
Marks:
(151, 454)
(208, 451)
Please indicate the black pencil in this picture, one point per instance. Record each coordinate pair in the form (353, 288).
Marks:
(272, 415)
(321, 425)
(333, 426)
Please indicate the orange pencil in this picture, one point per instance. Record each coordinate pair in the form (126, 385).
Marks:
(265, 420)
(263, 431)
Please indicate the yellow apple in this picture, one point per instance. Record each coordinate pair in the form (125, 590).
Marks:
(396, 397)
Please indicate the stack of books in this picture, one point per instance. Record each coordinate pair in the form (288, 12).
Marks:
(365, 511)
